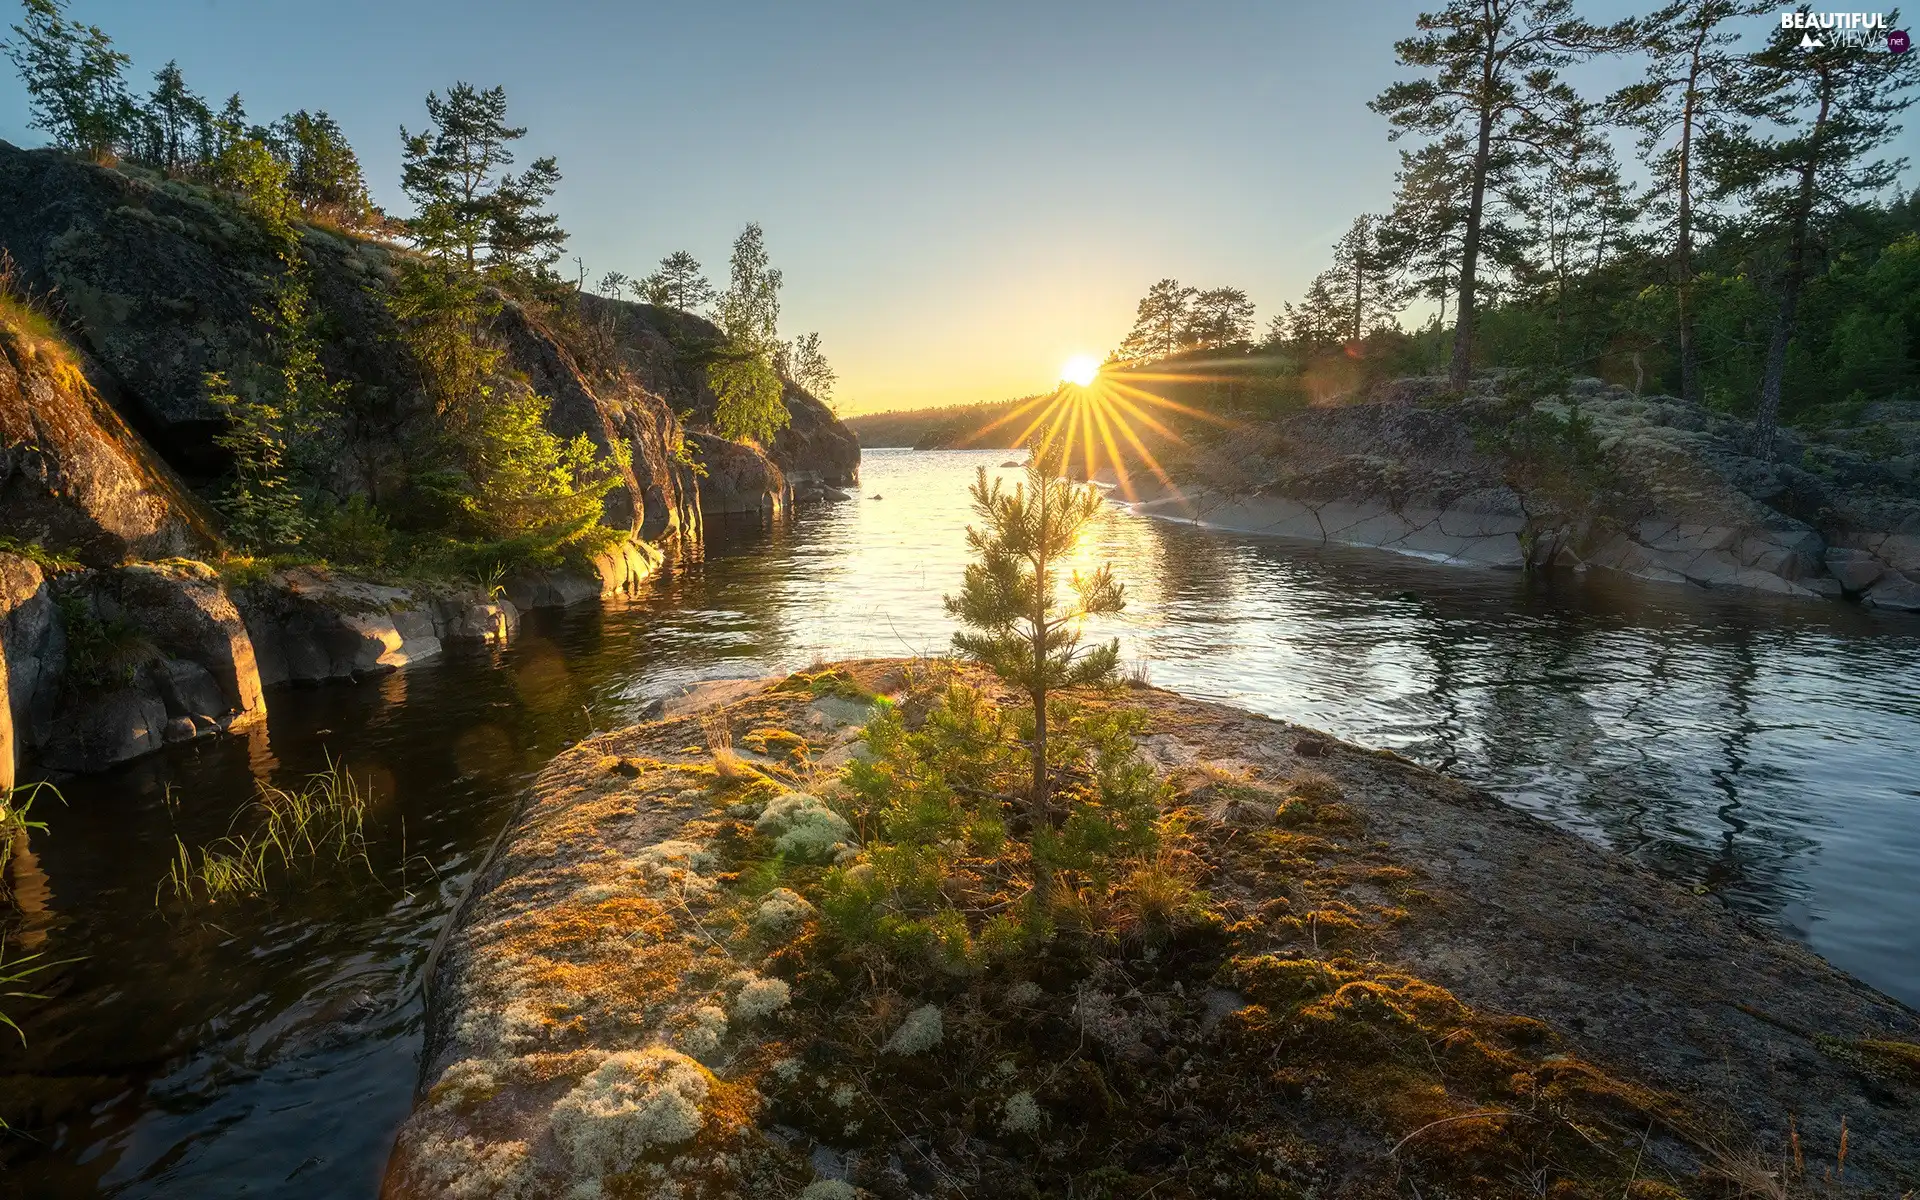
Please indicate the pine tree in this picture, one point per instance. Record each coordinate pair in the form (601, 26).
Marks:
(1216, 318)
(1319, 321)
(76, 92)
(1369, 295)
(1581, 215)
(522, 237)
(1823, 112)
(678, 283)
(1692, 86)
(1160, 322)
(174, 114)
(1017, 625)
(452, 168)
(1495, 85)
(1420, 240)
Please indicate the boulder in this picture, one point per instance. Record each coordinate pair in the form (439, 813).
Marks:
(310, 626)
(492, 621)
(186, 612)
(1893, 591)
(558, 588)
(188, 690)
(1856, 570)
(740, 481)
(99, 730)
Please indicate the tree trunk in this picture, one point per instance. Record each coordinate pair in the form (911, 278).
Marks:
(1683, 252)
(1462, 367)
(1042, 807)
(1766, 419)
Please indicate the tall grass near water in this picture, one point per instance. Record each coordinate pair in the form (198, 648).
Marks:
(323, 821)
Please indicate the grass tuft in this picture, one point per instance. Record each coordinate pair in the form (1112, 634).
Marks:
(321, 821)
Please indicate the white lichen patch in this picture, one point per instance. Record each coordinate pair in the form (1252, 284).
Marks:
(779, 911)
(673, 857)
(759, 997)
(1021, 1114)
(468, 1081)
(829, 1189)
(804, 829)
(703, 1037)
(464, 1169)
(1025, 992)
(919, 1033)
(633, 1101)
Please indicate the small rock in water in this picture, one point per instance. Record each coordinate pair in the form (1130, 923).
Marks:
(875, 496)
(1013, 462)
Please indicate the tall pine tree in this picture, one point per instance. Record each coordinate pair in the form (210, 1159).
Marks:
(1821, 113)
(1494, 85)
(1691, 88)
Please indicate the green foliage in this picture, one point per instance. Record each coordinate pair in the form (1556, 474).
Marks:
(1011, 596)
(677, 284)
(262, 507)
(323, 172)
(322, 821)
(748, 399)
(49, 560)
(749, 310)
(73, 77)
(529, 481)
(469, 208)
(939, 882)
(443, 311)
(806, 364)
(101, 654)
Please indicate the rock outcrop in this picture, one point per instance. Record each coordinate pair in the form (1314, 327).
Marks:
(309, 626)
(73, 475)
(647, 991)
(740, 481)
(160, 281)
(1647, 486)
(663, 349)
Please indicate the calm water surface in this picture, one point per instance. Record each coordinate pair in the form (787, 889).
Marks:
(1767, 751)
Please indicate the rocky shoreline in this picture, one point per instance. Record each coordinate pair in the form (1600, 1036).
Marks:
(617, 1012)
(1648, 487)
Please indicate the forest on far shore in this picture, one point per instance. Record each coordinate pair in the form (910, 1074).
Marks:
(1758, 256)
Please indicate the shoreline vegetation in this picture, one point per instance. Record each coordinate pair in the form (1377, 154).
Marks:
(707, 958)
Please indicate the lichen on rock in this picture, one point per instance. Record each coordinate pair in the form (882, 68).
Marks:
(632, 1102)
(803, 828)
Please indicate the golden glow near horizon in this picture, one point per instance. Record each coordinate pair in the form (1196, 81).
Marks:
(1080, 369)
(1097, 420)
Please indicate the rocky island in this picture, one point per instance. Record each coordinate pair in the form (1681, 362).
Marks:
(1338, 974)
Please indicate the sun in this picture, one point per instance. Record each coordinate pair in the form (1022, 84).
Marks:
(1080, 369)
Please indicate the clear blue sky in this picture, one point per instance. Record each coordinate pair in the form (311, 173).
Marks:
(961, 194)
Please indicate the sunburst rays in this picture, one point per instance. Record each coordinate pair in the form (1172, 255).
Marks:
(1102, 423)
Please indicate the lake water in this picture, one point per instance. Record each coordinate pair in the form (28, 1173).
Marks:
(1768, 751)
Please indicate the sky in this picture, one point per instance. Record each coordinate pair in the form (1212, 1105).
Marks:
(961, 195)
